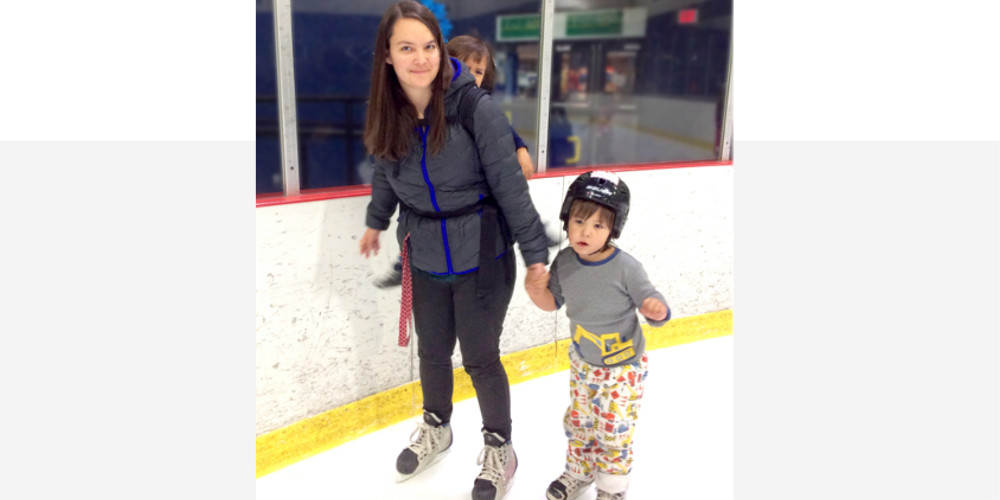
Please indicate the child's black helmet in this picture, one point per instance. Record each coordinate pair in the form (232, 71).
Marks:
(599, 187)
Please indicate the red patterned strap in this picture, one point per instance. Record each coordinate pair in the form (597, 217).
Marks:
(406, 305)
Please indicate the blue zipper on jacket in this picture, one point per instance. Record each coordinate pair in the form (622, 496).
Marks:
(427, 180)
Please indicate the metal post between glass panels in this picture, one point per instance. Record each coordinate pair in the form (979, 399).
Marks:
(544, 81)
(727, 127)
(287, 124)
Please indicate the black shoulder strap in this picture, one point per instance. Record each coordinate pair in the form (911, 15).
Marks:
(467, 103)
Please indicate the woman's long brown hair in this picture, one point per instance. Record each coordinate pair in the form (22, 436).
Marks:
(391, 120)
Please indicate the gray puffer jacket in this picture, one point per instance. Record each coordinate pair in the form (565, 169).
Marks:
(464, 171)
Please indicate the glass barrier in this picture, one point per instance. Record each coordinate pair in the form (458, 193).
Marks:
(333, 56)
(637, 82)
(268, 145)
(632, 82)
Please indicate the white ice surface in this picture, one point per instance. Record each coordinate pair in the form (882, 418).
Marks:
(683, 441)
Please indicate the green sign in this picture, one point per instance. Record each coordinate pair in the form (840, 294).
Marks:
(629, 22)
(529, 26)
(594, 23)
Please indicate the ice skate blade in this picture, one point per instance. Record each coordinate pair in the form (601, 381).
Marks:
(510, 486)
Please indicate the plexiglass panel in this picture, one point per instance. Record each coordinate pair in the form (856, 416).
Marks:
(268, 146)
(637, 81)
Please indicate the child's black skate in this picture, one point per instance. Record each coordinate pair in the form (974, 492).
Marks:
(567, 487)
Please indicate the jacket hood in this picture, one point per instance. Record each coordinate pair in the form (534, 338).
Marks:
(461, 77)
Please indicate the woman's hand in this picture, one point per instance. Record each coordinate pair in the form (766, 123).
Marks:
(536, 282)
(536, 279)
(369, 242)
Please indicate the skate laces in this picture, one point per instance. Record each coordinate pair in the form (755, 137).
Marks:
(493, 459)
(604, 495)
(424, 439)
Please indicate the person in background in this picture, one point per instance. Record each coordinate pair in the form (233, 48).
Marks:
(602, 287)
(463, 202)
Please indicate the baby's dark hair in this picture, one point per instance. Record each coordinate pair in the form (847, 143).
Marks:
(467, 46)
(583, 209)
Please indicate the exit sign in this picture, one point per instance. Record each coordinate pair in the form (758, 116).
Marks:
(687, 16)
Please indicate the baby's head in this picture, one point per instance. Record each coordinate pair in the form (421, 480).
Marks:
(588, 228)
(597, 191)
(477, 55)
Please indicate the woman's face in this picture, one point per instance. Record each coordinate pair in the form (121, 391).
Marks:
(413, 54)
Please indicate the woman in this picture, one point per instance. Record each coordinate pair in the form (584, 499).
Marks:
(474, 53)
(463, 202)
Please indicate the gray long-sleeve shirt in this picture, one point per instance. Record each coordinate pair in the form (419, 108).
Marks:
(467, 169)
(601, 301)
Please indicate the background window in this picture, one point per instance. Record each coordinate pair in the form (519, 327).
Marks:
(332, 44)
(633, 81)
(268, 147)
(638, 81)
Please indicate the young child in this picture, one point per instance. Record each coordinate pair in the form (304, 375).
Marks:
(475, 53)
(601, 286)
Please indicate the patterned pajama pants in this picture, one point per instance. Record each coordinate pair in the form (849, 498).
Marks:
(601, 418)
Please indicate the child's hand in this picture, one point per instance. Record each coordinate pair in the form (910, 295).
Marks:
(527, 168)
(653, 309)
(537, 278)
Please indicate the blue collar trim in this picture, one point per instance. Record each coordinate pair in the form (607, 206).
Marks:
(603, 261)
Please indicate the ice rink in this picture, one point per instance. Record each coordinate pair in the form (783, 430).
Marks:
(683, 441)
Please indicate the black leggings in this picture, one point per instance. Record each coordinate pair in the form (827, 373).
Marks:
(446, 311)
